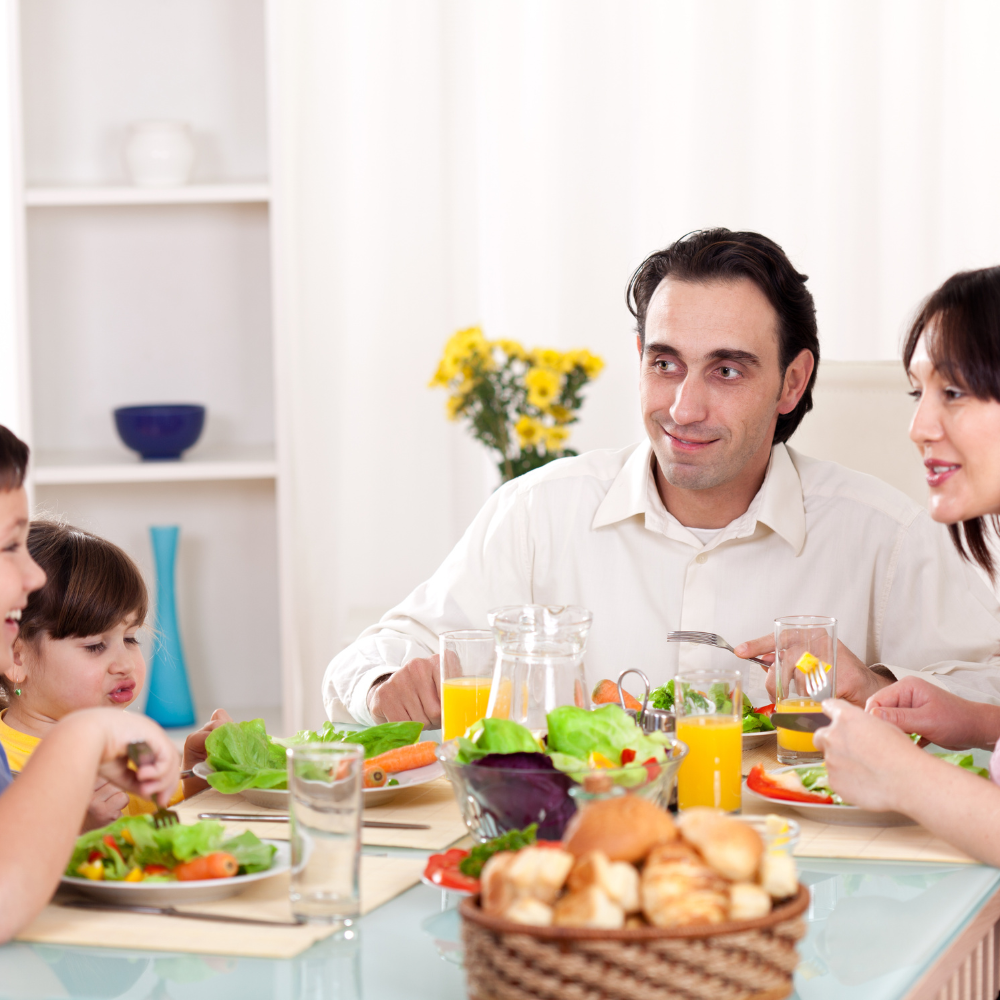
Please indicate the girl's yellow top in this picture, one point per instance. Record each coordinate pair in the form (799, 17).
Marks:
(19, 747)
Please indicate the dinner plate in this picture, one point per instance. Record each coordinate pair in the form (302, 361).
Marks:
(277, 798)
(752, 740)
(173, 893)
(823, 813)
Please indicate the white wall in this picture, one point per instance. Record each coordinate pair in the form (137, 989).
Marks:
(510, 162)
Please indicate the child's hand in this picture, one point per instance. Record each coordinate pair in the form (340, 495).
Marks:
(195, 753)
(105, 807)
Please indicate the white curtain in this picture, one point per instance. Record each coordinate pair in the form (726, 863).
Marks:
(509, 162)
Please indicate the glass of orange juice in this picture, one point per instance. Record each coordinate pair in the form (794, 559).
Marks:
(708, 706)
(467, 659)
(802, 643)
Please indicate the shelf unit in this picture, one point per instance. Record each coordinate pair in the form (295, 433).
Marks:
(143, 295)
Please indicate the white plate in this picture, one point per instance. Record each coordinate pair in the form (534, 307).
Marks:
(751, 740)
(277, 798)
(172, 893)
(822, 813)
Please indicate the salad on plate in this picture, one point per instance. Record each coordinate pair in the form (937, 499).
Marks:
(755, 720)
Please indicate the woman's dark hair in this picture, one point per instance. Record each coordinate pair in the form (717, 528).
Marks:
(964, 345)
(91, 586)
(721, 255)
(13, 460)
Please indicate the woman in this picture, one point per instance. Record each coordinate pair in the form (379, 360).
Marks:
(41, 812)
(952, 356)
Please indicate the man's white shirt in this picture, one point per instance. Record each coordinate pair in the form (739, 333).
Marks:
(592, 530)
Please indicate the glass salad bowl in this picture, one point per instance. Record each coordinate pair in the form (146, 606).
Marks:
(504, 792)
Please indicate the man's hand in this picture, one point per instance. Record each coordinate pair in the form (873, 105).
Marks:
(917, 706)
(195, 752)
(856, 683)
(870, 763)
(411, 693)
(105, 807)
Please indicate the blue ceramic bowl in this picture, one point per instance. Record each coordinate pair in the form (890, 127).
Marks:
(160, 432)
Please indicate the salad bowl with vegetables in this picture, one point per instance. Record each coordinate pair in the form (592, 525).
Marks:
(244, 759)
(135, 862)
(505, 778)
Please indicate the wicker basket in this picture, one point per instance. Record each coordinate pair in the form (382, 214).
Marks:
(740, 960)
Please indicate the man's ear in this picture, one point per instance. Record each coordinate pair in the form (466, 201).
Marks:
(797, 376)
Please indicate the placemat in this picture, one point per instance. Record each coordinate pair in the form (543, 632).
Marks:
(433, 804)
(381, 879)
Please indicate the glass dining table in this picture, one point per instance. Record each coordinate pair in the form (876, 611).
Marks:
(877, 930)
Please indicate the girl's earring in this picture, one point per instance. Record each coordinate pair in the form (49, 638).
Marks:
(17, 691)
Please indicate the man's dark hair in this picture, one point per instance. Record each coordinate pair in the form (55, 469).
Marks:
(961, 321)
(721, 255)
(13, 460)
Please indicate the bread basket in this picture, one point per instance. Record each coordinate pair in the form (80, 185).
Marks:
(739, 960)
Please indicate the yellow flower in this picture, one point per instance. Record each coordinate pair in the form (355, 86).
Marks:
(464, 351)
(561, 413)
(555, 438)
(543, 386)
(590, 363)
(454, 405)
(529, 431)
(546, 357)
(511, 348)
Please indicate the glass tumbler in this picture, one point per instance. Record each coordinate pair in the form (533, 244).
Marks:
(708, 705)
(467, 659)
(539, 662)
(801, 643)
(324, 812)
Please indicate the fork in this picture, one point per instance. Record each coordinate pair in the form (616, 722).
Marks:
(139, 754)
(710, 639)
(818, 684)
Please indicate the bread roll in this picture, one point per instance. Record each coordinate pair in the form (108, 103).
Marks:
(748, 901)
(529, 911)
(778, 875)
(623, 828)
(588, 907)
(618, 880)
(539, 872)
(732, 848)
(496, 890)
(679, 850)
(679, 893)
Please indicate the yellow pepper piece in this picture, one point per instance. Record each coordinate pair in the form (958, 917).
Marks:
(135, 875)
(94, 870)
(126, 835)
(599, 760)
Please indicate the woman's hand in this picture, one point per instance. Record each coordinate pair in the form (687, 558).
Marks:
(105, 807)
(870, 763)
(917, 706)
(195, 752)
(856, 683)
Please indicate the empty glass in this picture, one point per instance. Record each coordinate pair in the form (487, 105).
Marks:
(467, 659)
(802, 643)
(324, 807)
(540, 662)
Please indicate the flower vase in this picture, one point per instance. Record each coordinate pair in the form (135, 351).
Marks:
(169, 702)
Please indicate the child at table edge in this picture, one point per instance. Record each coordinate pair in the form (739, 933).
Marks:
(77, 647)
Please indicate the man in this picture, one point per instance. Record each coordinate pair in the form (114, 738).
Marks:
(712, 523)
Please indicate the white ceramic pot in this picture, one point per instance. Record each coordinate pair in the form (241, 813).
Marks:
(159, 154)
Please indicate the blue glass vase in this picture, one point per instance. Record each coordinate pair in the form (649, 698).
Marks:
(169, 702)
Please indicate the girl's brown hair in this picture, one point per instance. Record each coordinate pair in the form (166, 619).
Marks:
(13, 460)
(962, 323)
(91, 586)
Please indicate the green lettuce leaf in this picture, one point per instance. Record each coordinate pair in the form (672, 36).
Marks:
(495, 736)
(250, 851)
(375, 740)
(606, 730)
(244, 752)
(964, 760)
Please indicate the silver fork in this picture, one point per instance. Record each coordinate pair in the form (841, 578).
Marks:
(139, 754)
(710, 639)
(818, 684)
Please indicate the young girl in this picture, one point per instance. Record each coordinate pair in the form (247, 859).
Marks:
(77, 647)
(41, 812)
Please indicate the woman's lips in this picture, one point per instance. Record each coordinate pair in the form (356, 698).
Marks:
(939, 472)
(123, 693)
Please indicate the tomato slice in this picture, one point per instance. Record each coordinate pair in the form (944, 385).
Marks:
(764, 709)
(452, 878)
(156, 870)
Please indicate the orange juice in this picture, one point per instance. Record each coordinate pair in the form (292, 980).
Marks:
(795, 741)
(463, 701)
(710, 774)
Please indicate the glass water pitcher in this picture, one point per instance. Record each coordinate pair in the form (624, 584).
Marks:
(539, 662)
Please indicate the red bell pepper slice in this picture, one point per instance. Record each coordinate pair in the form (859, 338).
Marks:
(442, 870)
(764, 709)
(652, 767)
(94, 856)
(759, 781)
(628, 755)
(156, 870)
(109, 839)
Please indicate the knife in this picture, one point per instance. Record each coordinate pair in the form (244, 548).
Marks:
(283, 818)
(170, 911)
(800, 722)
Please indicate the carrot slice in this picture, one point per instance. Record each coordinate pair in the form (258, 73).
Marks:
(375, 777)
(217, 865)
(404, 758)
(606, 693)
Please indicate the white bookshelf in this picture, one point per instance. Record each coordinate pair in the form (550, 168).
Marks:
(134, 295)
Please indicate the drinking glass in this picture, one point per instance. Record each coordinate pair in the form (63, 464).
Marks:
(467, 659)
(539, 662)
(708, 705)
(794, 637)
(324, 812)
